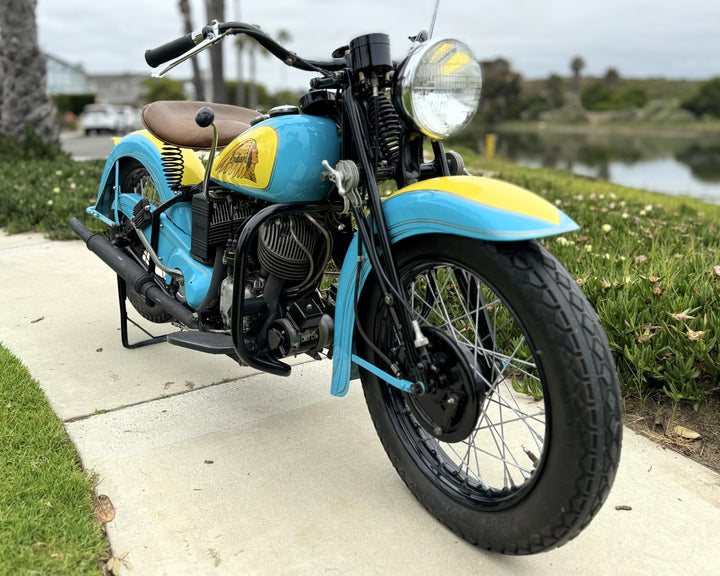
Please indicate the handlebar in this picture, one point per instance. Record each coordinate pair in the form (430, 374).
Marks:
(176, 48)
(169, 50)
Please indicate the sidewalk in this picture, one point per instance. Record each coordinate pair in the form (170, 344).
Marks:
(216, 469)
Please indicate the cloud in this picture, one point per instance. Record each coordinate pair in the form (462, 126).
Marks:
(638, 37)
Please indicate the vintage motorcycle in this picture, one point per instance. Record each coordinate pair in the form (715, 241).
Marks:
(487, 376)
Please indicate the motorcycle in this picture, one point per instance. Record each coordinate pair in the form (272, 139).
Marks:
(487, 376)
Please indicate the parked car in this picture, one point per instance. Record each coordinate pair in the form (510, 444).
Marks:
(99, 118)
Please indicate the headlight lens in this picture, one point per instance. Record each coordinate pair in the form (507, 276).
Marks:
(438, 88)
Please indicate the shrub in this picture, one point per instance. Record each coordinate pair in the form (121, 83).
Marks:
(706, 100)
(33, 148)
(650, 265)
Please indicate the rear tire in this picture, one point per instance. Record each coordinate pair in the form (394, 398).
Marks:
(533, 471)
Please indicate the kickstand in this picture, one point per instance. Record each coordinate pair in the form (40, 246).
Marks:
(122, 296)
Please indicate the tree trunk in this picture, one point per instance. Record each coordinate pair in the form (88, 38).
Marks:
(215, 11)
(252, 88)
(197, 78)
(22, 73)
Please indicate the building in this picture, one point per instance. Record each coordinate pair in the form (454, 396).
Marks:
(65, 78)
(124, 88)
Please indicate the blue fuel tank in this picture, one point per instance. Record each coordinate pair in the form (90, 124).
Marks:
(280, 159)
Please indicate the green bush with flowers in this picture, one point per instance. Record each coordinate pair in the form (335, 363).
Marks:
(650, 265)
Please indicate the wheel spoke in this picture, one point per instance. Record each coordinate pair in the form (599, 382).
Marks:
(495, 456)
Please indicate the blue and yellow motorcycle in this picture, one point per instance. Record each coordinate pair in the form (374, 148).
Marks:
(486, 373)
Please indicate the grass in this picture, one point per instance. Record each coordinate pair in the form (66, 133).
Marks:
(650, 265)
(43, 195)
(46, 514)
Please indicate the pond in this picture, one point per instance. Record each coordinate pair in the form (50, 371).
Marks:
(684, 164)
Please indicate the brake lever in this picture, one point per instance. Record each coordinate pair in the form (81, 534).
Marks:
(212, 38)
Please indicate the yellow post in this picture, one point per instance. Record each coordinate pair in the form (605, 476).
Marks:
(490, 141)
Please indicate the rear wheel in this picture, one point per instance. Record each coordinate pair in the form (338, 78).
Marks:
(535, 403)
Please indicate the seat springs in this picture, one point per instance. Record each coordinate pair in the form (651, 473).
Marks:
(173, 165)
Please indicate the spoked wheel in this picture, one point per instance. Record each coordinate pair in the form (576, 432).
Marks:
(537, 433)
(138, 181)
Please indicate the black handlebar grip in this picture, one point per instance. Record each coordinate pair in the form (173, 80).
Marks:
(168, 51)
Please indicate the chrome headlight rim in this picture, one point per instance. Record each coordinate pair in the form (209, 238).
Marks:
(402, 94)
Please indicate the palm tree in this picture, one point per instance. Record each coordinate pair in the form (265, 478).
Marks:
(184, 6)
(576, 65)
(243, 44)
(22, 74)
(216, 11)
(283, 37)
(253, 49)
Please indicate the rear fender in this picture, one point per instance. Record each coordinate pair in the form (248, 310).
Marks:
(469, 206)
(142, 147)
(176, 222)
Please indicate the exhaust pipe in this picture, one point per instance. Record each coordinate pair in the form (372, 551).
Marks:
(133, 274)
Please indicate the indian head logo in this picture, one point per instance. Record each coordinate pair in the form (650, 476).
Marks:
(240, 164)
(249, 160)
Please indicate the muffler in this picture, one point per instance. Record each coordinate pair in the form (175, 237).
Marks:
(133, 274)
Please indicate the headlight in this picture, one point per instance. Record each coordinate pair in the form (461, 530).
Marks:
(437, 88)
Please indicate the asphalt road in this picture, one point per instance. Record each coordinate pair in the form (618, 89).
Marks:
(82, 147)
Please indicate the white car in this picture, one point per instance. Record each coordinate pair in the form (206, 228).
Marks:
(99, 118)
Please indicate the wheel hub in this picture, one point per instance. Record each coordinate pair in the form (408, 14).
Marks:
(450, 408)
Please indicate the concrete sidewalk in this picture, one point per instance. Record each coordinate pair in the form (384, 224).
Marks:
(216, 469)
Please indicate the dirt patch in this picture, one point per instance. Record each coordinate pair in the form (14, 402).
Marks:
(676, 427)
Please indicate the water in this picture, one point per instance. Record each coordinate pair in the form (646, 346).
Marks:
(676, 164)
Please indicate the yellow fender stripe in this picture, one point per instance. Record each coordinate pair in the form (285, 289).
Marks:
(493, 193)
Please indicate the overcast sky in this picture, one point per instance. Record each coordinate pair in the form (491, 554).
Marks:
(641, 38)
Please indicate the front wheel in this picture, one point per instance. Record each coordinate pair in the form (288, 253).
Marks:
(536, 414)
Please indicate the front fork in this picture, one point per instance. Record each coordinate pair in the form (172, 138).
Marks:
(373, 235)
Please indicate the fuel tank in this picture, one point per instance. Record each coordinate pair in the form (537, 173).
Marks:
(279, 159)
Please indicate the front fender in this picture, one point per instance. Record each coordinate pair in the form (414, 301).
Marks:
(470, 206)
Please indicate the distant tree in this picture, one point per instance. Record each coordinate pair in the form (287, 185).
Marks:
(596, 96)
(216, 11)
(706, 100)
(25, 103)
(284, 37)
(241, 43)
(553, 91)
(163, 89)
(576, 65)
(612, 79)
(500, 90)
(253, 50)
(198, 85)
(631, 97)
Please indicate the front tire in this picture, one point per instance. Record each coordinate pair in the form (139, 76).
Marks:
(543, 453)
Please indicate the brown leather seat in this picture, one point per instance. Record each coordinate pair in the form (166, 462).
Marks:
(173, 122)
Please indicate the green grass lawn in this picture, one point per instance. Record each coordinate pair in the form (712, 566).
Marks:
(47, 524)
(650, 265)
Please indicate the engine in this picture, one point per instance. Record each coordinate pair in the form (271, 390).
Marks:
(281, 277)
